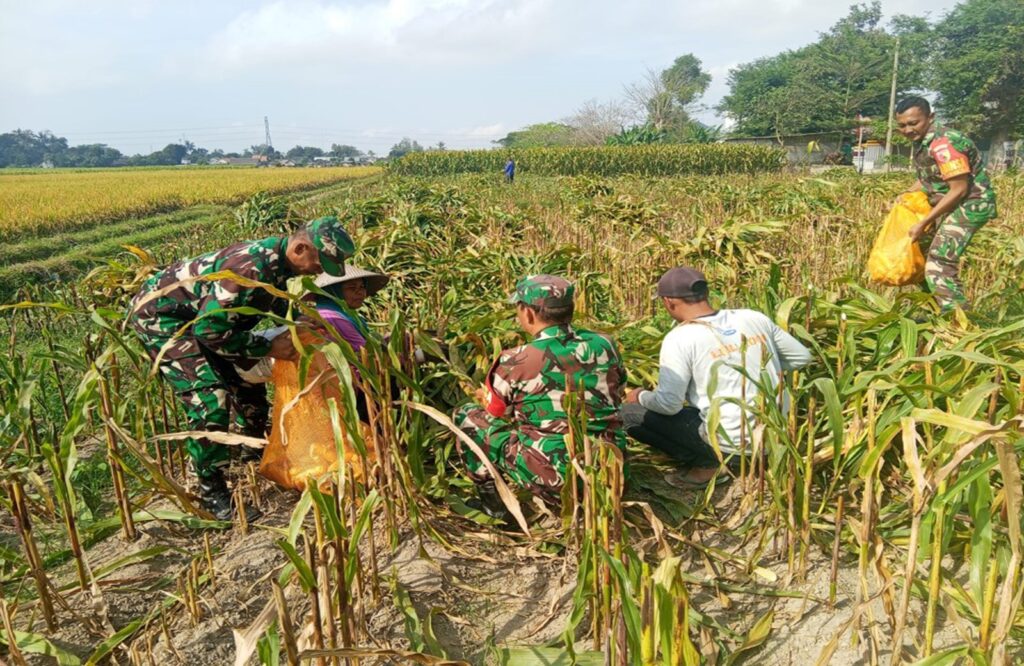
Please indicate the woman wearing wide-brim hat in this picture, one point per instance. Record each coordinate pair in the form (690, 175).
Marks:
(301, 444)
(352, 288)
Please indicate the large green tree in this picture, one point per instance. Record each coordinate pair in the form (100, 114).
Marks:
(404, 147)
(25, 148)
(978, 68)
(345, 150)
(304, 154)
(90, 155)
(667, 98)
(823, 86)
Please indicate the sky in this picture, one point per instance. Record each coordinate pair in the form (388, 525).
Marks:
(138, 74)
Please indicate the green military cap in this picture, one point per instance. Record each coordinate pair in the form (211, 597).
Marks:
(332, 242)
(543, 291)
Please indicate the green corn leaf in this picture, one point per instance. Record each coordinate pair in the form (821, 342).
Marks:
(37, 644)
(306, 577)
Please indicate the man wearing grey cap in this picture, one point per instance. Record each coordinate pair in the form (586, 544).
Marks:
(708, 349)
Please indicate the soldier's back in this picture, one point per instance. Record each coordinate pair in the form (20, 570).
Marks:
(540, 374)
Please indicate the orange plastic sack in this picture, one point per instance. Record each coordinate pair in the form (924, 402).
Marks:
(895, 259)
(301, 444)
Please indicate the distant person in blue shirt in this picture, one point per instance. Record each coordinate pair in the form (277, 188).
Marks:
(510, 170)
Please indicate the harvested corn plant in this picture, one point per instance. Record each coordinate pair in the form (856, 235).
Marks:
(878, 520)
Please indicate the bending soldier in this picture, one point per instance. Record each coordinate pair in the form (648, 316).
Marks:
(951, 172)
(193, 328)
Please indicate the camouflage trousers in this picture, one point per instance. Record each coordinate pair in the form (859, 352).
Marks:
(942, 269)
(210, 389)
(538, 466)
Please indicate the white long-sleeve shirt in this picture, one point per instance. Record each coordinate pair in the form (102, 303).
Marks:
(695, 353)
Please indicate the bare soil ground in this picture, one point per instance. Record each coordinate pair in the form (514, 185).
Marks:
(486, 592)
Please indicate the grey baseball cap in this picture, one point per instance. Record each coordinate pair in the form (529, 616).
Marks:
(682, 282)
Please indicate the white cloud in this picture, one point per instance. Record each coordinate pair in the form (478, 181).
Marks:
(460, 71)
(409, 31)
(485, 132)
(33, 66)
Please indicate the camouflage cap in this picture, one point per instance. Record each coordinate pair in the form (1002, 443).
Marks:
(332, 243)
(543, 291)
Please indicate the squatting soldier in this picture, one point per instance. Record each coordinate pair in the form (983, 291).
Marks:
(950, 171)
(523, 426)
(199, 363)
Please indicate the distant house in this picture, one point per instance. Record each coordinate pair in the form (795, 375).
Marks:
(331, 160)
(234, 161)
(809, 148)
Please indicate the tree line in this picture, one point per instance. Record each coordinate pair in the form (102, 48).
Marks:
(970, 61)
(25, 148)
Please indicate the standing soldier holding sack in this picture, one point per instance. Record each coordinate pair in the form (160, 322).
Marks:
(191, 326)
(950, 171)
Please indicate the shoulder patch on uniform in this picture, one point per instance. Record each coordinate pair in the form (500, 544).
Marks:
(951, 162)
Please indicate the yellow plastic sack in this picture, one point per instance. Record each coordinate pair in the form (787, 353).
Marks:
(301, 444)
(895, 259)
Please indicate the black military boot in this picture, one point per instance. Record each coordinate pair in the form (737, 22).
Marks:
(215, 496)
(250, 454)
(490, 501)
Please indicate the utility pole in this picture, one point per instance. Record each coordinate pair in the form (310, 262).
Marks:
(266, 141)
(892, 107)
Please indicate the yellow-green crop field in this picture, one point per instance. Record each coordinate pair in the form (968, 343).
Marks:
(880, 519)
(60, 200)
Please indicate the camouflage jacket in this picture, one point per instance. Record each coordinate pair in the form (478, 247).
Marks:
(945, 153)
(527, 385)
(205, 302)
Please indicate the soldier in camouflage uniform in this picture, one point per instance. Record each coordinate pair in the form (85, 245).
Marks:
(523, 426)
(189, 327)
(950, 171)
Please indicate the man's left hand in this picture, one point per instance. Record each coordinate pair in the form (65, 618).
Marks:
(633, 396)
(482, 396)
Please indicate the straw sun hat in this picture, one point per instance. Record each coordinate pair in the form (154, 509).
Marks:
(374, 281)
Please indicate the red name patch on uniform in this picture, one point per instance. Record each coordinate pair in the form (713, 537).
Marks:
(951, 162)
(496, 407)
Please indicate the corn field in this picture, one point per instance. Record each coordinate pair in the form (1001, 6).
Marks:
(650, 160)
(878, 521)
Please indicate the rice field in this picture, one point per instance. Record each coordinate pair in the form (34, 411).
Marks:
(878, 521)
(51, 200)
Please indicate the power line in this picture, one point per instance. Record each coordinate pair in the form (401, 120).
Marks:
(175, 130)
(292, 130)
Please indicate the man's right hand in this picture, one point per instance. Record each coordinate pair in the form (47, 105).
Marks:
(282, 347)
(633, 397)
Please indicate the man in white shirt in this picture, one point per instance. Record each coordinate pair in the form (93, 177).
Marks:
(721, 350)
